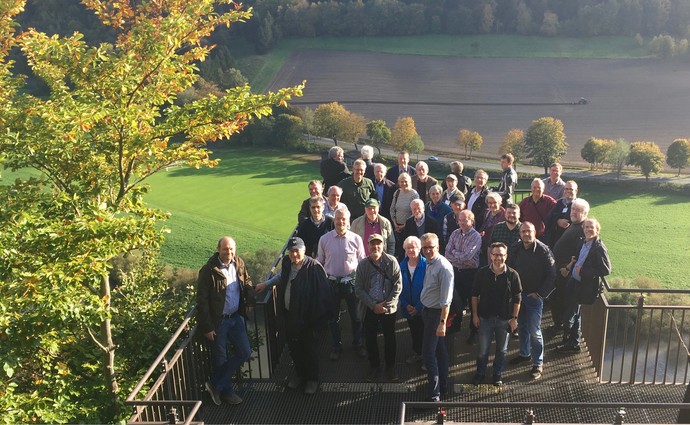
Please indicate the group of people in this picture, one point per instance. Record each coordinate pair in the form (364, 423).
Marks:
(399, 241)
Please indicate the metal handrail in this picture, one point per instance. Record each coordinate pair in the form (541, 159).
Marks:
(620, 412)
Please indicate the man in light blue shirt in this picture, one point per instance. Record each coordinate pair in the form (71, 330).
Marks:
(436, 297)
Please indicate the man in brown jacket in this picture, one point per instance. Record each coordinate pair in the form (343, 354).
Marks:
(224, 292)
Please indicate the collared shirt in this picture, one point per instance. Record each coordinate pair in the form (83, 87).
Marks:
(584, 252)
(474, 195)
(380, 188)
(463, 248)
(370, 229)
(376, 285)
(232, 291)
(554, 190)
(340, 254)
(420, 225)
(329, 211)
(438, 283)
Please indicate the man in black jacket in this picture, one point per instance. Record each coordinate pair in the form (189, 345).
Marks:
(304, 303)
(533, 260)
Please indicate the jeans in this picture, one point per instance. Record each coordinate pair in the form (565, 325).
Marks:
(488, 329)
(571, 313)
(230, 329)
(529, 326)
(353, 310)
(434, 354)
(371, 331)
(416, 325)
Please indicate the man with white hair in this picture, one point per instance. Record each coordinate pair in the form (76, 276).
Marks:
(367, 153)
(334, 169)
(385, 189)
(422, 181)
(340, 251)
(333, 203)
(420, 222)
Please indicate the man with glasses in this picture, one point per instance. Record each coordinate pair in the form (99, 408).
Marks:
(436, 297)
(496, 297)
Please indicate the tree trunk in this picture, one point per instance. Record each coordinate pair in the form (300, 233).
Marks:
(108, 359)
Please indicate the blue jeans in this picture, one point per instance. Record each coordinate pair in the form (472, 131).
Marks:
(353, 310)
(488, 329)
(434, 354)
(231, 329)
(571, 313)
(529, 327)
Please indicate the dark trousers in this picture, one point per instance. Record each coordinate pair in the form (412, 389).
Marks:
(434, 354)
(345, 291)
(416, 325)
(304, 350)
(463, 280)
(571, 313)
(371, 331)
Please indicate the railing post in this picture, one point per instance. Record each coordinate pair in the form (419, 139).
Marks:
(529, 416)
(620, 416)
(684, 414)
(636, 341)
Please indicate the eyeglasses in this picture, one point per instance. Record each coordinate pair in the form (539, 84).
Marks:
(430, 247)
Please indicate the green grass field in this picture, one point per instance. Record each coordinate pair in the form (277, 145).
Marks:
(645, 233)
(253, 196)
(261, 70)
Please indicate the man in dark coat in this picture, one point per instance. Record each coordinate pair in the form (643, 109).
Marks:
(385, 189)
(333, 169)
(403, 167)
(419, 224)
(304, 304)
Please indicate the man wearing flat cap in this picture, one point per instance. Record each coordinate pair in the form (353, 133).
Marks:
(304, 304)
(374, 223)
(378, 283)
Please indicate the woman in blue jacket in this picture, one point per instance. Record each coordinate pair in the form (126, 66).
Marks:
(413, 269)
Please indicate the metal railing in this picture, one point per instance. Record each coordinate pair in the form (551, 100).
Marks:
(638, 343)
(527, 409)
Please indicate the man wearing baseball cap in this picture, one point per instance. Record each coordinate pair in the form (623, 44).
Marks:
(378, 283)
(304, 304)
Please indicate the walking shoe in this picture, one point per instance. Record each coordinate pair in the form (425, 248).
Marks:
(311, 387)
(391, 374)
(498, 382)
(233, 399)
(414, 358)
(335, 355)
(215, 395)
(520, 359)
(477, 379)
(568, 349)
(536, 371)
(294, 383)
(360, 350)
(372, 374)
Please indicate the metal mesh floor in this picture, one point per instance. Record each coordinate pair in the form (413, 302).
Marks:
(344, 397)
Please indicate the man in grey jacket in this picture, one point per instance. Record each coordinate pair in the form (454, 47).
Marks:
(378, 283)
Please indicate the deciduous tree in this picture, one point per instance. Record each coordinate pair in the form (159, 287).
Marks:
(378, 133)
(678, 154)
(617, 157)
(403, 133)
(333, 121)
(545, 141)
(647, 156)
(109, 122)
(469, 140)
(513, 143)
(595, 151)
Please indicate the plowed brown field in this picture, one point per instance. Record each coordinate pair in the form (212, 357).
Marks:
(633, 99)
